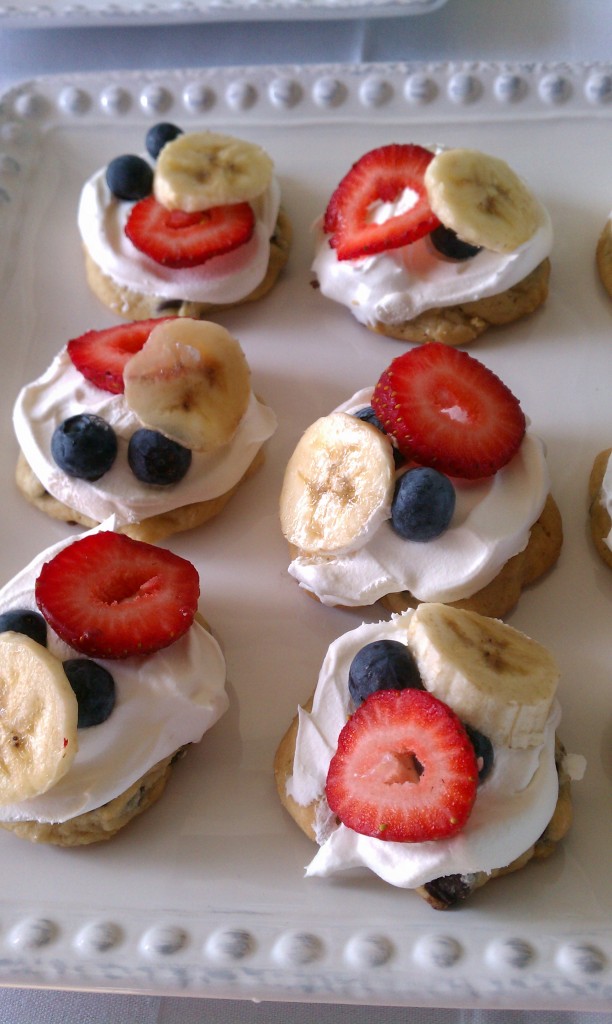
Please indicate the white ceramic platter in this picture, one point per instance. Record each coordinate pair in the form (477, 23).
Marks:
(90, 13)
(205, 894)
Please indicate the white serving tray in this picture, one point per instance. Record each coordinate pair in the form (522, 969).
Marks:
(91, 13)
(205, 894)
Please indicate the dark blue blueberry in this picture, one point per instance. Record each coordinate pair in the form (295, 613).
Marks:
(155, 459)
(382, 665)
(158, 135)
(94, 689)
(423, 504)
(449, 244)
(84, 446)
(368, 414)
(129, 177)
(483, 748)
(23, 620)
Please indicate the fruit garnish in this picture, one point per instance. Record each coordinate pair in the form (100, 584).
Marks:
(109, 596)
(158, 135)
(338, 484)
(24, 620)
(447, 243)
(191, 382)
(482, 199)
(447, 410)
(382, 665)
(129, 177)
(155, 459)
(94, 689)
(38, 718)
(100, 355)
(176, 239)
(423, 504)
(84, 446)
(404, 769)
(381, 176)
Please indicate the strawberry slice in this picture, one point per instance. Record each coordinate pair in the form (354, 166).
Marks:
(447, 410)
(109, 596)
(177, 239)
(404, 770)
(101, 355)
(380, 176)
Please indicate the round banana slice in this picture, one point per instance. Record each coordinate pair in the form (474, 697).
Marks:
(38, 719)
(338, 485)
(199, 170)
(481, 199)
(191, 382)
(495, 678)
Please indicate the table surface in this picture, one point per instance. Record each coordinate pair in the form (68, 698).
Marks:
(513, 30)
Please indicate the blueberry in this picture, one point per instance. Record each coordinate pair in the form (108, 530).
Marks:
(22, 620)
(94, 689)
(129, 177)
(423, 504)
(84, 446)
(155, 459)
(449, 244)
(158, 135)
(368, 414)
(382, 665)
(483, 748)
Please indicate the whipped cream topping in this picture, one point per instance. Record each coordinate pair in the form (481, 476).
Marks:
(490, 524)
(397, 285)
(513, 805)
(163, 701)
(606, 498)
(223, 279)
(62, 391)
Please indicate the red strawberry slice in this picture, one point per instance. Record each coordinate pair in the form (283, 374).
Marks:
(101, 355)
(446, 410)
(109, 596)
(404, 770)
(380, 176)
(177, 239)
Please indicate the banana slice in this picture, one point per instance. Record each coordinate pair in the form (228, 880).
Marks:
(495, 678)
(199, 170)
(481, 199)
(190, 381)
(338, 485)
(38, 719)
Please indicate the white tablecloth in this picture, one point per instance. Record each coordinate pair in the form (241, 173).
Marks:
(573, 30)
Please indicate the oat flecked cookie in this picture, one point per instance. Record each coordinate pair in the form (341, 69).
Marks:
(601, 524)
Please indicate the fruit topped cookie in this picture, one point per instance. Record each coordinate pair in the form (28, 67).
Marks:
(428, 754)
(194, 225)
(603, 256)
(600, 504)
(107, 674)
(427, 487)
(154, 422)
(433, 246)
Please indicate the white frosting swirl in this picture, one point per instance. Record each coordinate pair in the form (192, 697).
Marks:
(62, 391)
(512, 808)
(396, 286)
(223, 279)
(163, 701)
(606, 498)
(490, 524)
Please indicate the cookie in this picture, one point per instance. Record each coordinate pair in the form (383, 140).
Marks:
(599, 517)
(603, 256)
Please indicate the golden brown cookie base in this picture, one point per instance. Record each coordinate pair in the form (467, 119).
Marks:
(133, 305)
(151, 530)
(603, 257)
(461, 324)
(103, 822)
(598, 513)
(445, 892)
(503, 592)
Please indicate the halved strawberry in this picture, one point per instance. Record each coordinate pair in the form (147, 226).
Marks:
(101, 355)
(177, 239)
(404, 770)
(447, 410)
(109, 596)
(380, 176)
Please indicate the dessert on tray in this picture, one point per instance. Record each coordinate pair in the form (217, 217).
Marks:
(427, 487)
(107, 674)
(194, 225)
(600, 504)
(429, 755)
(153, 422)
(433, 246)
